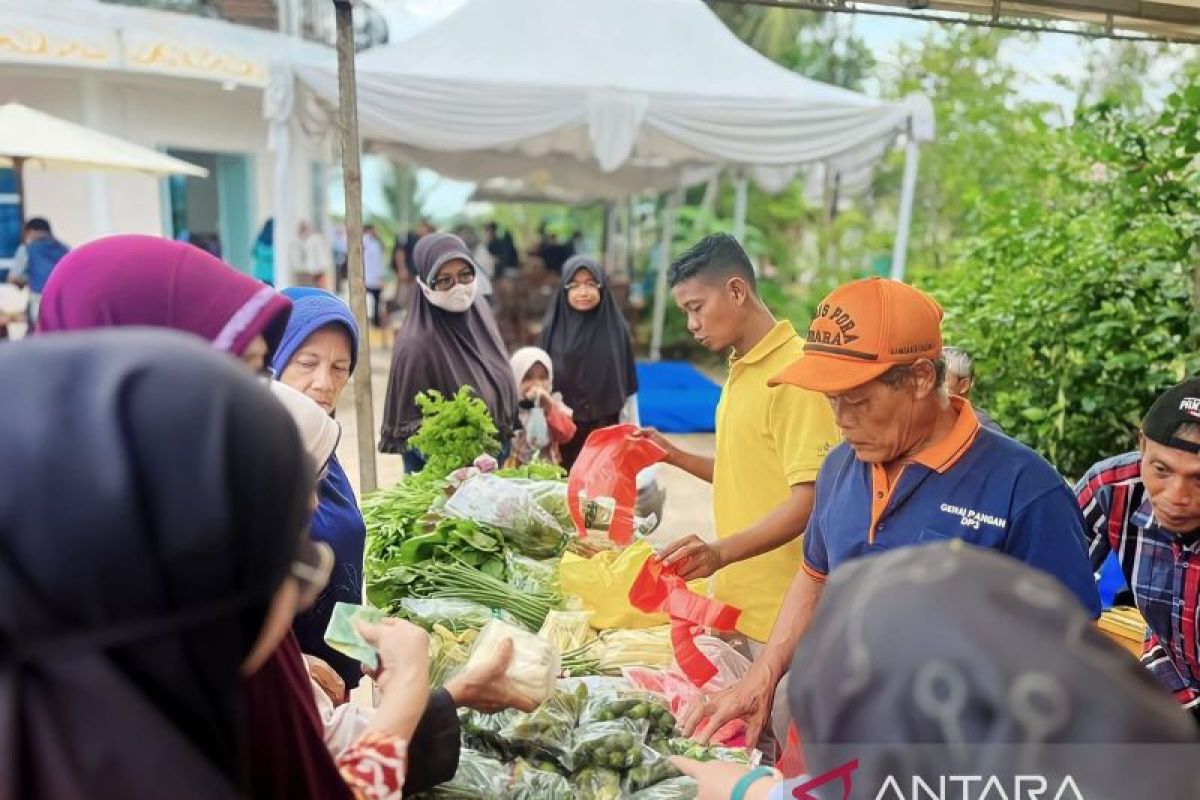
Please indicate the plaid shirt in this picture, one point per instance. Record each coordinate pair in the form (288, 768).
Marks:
(1162, 569)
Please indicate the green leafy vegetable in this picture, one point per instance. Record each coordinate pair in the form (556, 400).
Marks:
(454, 431)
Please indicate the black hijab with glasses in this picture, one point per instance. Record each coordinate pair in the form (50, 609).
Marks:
(592, 351)
(160, 500)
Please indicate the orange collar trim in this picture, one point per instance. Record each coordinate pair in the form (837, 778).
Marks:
(942, 455)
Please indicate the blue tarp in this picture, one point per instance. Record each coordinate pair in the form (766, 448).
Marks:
(675, 397)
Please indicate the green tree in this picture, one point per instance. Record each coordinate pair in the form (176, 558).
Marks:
(981, 124)
(1076, 293)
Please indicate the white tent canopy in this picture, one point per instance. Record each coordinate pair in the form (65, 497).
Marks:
(616, 84)
(607, 97)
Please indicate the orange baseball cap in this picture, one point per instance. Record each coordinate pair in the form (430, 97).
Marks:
(863, 329)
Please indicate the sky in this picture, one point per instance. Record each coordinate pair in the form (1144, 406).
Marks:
(1040, 61)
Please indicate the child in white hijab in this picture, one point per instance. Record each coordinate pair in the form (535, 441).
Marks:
(546, 422)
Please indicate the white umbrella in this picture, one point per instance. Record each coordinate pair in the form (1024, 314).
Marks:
(32, 138)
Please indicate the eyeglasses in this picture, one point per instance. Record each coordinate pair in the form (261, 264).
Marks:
(466, 278)
(312, 569)
(571, 287)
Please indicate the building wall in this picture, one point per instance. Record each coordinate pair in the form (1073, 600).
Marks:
(155, 112)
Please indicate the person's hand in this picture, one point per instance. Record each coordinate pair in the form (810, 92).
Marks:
(692, 557)
(716, 779)
(403, 675)
(660, 440)
(749, 700)
(403, 652)
(486, 688)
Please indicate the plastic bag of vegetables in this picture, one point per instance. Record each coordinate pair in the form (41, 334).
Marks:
(637, 706)
(531, 575)
(655, 768)
(482, 732)
(682, 788)
(546, 731)
(569, 630)
(507, 505)
(448, 651)
(699, 752)
(477, 778)
(454, 615)
(615, 745)
(535, 661)
(538, 780)
(597, 783)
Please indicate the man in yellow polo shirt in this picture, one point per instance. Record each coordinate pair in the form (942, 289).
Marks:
(770, 440)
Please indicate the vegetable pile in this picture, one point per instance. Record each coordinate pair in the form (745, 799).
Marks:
(558, 751)
(472, 555)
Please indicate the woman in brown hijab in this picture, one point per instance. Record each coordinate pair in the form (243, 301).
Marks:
(448, 340)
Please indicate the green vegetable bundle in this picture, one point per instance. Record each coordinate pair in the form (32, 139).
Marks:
(636, 706)
(510, 507)
(616, 745)
(455, 615)
(546, 731)
(455, 580)
(597, 783)
(655, 768)
(454, 431)
(538, 780)
(482, 732)
(394, 515)
(698, 752)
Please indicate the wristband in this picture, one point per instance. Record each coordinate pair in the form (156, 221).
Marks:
(753, 776)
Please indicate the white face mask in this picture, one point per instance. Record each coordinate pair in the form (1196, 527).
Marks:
(455, 300)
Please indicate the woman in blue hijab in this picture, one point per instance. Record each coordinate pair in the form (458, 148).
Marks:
(316, 356)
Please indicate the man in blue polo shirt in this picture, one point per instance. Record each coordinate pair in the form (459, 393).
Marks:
(915, 466)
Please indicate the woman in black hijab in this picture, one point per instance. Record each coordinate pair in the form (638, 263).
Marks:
(160, 498)
(589, 343)
(449, 340)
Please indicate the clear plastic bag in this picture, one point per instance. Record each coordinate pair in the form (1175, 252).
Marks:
(655, 768)
(477, 776)
(531, 575)
(535, 661)
(547, 731)
(638, 707)
(613, 745)
(651, 648)
(569, 630)
(538, 780)
(682, 788)
(483, 732)
(509, 506)
(596, 783)
(455, 615)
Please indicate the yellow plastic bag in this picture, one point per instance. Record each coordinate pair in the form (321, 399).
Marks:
(602, 582)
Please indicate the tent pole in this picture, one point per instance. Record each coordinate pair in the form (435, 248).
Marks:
(364, 413)
(19, 176)
(660, 284)
(740, 201)
(908, 190)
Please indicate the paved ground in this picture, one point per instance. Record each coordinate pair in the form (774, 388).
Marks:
(689, 501)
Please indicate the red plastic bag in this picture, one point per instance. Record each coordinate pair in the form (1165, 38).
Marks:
(658, 588)
(608, 467)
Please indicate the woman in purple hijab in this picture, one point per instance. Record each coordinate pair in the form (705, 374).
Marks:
(144, 280)
(449, 340)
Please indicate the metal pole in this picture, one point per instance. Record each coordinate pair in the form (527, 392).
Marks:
(741, 198)
(660, 284)
(908, 189)
(364, 412)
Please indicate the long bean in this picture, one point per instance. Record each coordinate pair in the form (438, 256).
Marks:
(457, 581)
